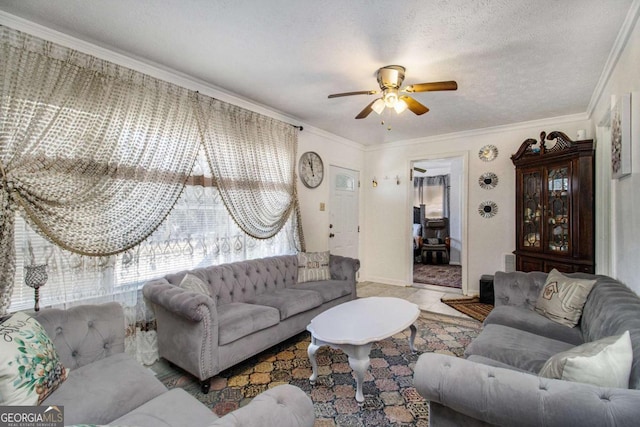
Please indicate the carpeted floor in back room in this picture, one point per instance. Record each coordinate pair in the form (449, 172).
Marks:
(438, 274)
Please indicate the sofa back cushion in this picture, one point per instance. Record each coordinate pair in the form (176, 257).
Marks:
(611, 309)
(86, 333)
(241, 281)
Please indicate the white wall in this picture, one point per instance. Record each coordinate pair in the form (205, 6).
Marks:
(624, 194)
(334, 151)
(386, 252)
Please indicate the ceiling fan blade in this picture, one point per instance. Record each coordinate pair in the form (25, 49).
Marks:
(367, 110)
(414, 105)
(360, 92)
(431, 87)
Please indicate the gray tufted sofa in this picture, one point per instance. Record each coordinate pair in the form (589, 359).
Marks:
(253, 305)
(497, 383)
(105, 385)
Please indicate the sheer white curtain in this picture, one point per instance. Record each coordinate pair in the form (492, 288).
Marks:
(252, 158)
(94, 158)
(86, 148)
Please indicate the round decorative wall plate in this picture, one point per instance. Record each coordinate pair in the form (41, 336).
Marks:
(488, 209)
(488, 180)
(488, 153)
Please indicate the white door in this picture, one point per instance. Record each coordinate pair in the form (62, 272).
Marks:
(343, 212)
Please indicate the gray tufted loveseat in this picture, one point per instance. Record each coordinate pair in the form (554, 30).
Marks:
(497, 383)
(107, 386)
(252, 306)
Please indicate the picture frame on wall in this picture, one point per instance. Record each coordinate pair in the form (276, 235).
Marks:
(621, 137)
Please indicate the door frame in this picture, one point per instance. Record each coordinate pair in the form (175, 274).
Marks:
(464, 217)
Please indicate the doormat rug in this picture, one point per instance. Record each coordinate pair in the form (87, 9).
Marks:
(472, 307)
(438, 274)
(390, 398)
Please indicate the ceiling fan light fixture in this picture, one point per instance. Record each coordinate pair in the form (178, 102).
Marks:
(390, 97)
(378, 106)
(400, 106)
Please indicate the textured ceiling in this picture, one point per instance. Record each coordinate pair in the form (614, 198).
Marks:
(514, 60)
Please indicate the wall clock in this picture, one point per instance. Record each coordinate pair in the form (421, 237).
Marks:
(488, 153)
(488, 209)
(488, 180)
(311, 169)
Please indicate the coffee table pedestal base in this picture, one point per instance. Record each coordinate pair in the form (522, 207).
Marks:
(358, 359)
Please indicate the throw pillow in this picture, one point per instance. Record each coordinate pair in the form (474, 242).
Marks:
(605, 363)
(562, 298)
(194, 284)
(30, 369)
(313, 266)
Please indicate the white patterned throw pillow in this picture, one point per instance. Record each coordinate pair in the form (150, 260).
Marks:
(313, 266)
(30, 369)
(562, 298)
(194, 284)
(605, 363)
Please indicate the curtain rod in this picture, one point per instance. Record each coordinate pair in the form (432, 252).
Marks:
(300, 128)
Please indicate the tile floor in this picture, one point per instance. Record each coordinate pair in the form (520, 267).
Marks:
(427, 299)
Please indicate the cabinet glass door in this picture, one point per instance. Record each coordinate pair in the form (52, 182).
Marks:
(558, 209)
(531, 209)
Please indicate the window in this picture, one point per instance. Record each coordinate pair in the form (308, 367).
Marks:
(434, 201)
(198, 232)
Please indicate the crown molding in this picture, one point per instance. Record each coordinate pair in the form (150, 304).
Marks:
(618, 47)
(333, 137)
(541, 123)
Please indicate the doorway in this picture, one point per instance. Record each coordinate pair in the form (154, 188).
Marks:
(437, 223)
(343, 211)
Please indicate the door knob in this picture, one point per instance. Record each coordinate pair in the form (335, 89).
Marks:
(331, 235)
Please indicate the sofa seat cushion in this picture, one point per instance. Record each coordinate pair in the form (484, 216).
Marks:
(175, 408)
(104, 390)
(328, 289)
(530, 321)
(289, 301)
(238, 319)
(520, 349)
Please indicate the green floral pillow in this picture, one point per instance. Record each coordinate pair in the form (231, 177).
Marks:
(30, 369)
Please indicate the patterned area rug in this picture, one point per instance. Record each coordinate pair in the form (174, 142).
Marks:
(472, 307)
(438, 274)
(390, 398)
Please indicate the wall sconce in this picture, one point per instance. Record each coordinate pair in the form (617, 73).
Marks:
(397, 179)
(374, 182)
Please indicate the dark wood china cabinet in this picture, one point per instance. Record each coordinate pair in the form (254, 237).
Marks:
(555, 196)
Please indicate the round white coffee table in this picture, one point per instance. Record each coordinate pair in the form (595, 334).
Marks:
(355, 325)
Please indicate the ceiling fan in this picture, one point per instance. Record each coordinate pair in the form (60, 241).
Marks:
(390, 79)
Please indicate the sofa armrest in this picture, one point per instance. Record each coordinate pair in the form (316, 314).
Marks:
(281, 406)
(177, 300)
(343, 268)
(187, 327)
(518, 289)
(504, 397)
